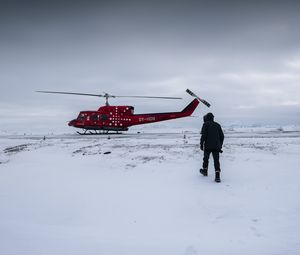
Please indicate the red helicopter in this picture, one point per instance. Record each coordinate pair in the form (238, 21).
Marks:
(120, 118)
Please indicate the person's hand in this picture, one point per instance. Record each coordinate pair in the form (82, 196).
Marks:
(201, 147)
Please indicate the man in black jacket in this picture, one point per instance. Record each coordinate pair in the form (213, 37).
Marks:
(212, 138)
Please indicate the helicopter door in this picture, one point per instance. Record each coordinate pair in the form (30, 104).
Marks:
(94, 118)
(104, 117)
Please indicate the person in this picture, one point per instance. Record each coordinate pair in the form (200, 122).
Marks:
(212, 138)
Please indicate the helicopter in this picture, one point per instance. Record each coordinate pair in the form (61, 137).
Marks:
(119, 118)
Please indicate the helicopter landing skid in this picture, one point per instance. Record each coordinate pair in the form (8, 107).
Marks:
(97, 132)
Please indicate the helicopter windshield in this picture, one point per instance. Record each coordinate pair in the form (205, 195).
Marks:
(80, 117)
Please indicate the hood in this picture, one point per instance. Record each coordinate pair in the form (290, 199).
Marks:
(209, 117)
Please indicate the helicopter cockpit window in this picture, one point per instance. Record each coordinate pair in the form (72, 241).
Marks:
(104, 117)
(81, 117)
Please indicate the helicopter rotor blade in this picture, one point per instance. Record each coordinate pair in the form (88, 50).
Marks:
(151, 97)
(106, 95)
(70, 93)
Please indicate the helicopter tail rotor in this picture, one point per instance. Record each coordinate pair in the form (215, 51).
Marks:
(201, 100)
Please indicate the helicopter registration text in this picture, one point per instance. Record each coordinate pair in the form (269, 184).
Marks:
(147, 119)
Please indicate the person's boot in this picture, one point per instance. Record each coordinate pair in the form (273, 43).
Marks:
(217, 179)
(203, 171)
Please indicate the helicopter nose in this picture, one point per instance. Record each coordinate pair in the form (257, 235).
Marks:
(71, 123)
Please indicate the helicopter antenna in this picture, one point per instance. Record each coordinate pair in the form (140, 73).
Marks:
(105, 95)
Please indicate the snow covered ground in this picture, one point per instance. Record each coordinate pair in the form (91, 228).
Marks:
(143, 194)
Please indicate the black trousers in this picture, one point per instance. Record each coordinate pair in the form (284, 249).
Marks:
(216, 156)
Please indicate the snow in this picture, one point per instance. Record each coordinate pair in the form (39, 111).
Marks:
(64, 195)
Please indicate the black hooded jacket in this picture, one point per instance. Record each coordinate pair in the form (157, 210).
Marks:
(212, 136)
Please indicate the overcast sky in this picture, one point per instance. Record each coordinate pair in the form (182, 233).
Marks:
(241, 56)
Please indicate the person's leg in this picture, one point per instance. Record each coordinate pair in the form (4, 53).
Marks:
(216, 157)
(205, 162)
(206, 158)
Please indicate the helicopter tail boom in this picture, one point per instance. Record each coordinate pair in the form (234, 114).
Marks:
(139, 119)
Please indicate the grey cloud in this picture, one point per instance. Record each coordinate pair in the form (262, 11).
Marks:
(243, 56)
